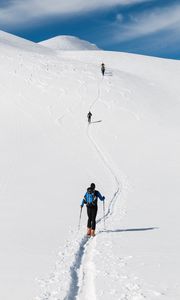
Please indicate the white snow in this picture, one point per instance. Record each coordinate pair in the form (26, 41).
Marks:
(9, 40)
(49, 156)
(67, 42)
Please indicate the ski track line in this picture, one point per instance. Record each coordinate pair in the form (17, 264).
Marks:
(87, 289)
(83, 268)
(75, 266)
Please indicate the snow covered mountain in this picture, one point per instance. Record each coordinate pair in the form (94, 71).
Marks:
(49, 156)
(65, 42)
(9, 40)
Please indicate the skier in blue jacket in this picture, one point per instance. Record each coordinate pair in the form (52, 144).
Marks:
(90, 199)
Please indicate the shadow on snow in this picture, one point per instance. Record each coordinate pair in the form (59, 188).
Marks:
(129, 229)
(96, 121)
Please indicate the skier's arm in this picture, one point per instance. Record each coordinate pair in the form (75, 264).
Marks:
(83, 201)
(102, 198)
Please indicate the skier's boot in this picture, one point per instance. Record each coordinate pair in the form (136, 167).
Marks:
(93, 232)
(88, 231)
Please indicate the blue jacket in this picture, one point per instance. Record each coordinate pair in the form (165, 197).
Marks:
(96, 194)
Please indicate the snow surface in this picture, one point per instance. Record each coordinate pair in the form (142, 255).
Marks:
(8, 40)
(66, 42)
(49, 155)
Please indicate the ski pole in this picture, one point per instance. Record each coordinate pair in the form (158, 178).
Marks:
(80, 218)
(104, 213)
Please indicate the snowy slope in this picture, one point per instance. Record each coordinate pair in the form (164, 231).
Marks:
(49, 155)
(8, 40)
(65, 42)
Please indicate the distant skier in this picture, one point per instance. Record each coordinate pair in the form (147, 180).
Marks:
(89, 115)
(90, 199)
(103, 68)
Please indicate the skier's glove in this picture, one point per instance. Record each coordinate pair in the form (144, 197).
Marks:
(103, 198)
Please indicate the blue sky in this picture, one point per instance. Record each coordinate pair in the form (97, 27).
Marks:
(150, 27)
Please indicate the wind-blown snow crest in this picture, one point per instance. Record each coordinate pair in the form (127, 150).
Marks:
(66, 42)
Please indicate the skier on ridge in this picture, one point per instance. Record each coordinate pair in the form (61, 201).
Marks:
(89, 115)
(90, 199)
(103, 68)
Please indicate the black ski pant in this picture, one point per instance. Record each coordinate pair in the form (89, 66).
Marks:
(91, 212)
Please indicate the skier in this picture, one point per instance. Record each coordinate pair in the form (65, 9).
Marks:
(103, 68)
(89, 115)
(90, 199)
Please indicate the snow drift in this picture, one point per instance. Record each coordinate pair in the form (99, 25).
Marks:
(49, 155)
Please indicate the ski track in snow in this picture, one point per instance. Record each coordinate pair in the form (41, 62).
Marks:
(74, 274)
(83, 269)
